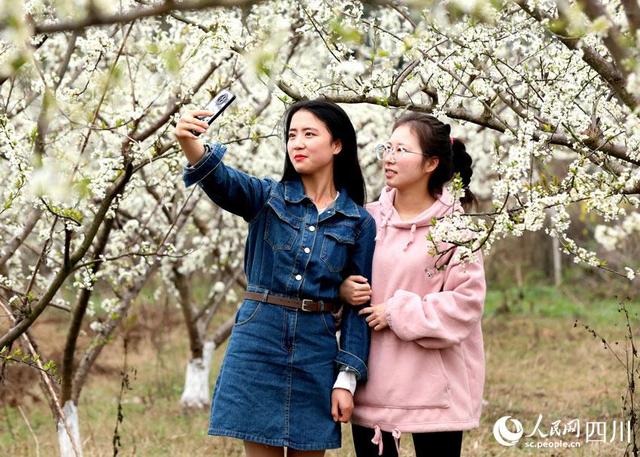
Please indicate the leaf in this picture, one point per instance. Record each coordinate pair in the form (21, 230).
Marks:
(73, 213)
(345, 33)
(264, 62)
(600, 25)
(171, 58)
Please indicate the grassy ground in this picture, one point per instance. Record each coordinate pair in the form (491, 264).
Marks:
(538, 362)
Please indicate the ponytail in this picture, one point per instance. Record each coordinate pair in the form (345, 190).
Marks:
(462, 165)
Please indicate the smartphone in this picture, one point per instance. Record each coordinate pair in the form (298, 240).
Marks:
(219, 103)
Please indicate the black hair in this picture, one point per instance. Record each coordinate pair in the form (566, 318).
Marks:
(435, 141)
(347, 174)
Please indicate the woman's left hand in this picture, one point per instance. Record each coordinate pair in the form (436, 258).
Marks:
(341, 405)
(377, 318)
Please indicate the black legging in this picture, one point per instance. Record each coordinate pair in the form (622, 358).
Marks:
(434, 444)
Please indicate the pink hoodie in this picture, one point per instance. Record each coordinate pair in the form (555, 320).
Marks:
(426, 371)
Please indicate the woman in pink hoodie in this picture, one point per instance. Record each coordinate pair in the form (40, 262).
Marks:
(426, 363)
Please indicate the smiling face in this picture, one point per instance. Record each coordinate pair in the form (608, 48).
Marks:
(310, 145)
(407, 170)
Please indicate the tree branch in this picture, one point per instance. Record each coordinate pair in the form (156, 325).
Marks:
(613, 39)
(162, 9)
(616, 151)
(13, 245)
(606, 70)
(79, 312)
(63, 272)
(185, 299)
(632, 11)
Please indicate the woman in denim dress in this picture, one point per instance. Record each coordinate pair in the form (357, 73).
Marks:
(286, 380)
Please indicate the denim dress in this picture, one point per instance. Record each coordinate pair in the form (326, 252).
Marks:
(275, 382)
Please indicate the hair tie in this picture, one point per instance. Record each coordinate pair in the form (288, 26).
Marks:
(452, 140)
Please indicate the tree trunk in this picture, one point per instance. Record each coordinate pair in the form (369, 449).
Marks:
(186, 298)
(557, 261)
(196, 386)
(72, 428)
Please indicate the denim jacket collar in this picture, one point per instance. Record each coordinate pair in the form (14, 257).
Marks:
(294, 193)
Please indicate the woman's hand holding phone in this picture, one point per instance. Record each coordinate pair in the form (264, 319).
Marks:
(195, 123)
(191, 146)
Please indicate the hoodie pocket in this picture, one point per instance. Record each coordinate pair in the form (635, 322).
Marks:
(413, 378)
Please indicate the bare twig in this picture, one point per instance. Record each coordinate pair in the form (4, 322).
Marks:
(15, 242)
(35, 438)
(48, 387)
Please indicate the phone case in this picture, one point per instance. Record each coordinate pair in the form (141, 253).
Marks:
(219, 103)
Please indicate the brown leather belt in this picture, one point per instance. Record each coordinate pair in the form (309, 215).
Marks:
(305, 304)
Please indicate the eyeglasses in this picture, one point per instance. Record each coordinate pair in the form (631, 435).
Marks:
(385, 150)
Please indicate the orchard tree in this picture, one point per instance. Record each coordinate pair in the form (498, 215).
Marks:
(90, 92)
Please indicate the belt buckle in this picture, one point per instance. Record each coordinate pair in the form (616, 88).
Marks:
(306, 301)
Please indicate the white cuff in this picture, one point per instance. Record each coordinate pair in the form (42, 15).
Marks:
(346, 380)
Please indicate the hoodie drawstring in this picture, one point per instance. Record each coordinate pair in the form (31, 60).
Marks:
(383, 226)
(377, 439)
(396, 436)
(411, 237)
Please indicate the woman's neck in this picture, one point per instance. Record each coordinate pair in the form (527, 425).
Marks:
(411, 201)
(320, 188)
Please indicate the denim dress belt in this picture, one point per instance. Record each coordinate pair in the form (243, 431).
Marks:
(305, 304)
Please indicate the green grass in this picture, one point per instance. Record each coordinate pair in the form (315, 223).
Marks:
(561, 303)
